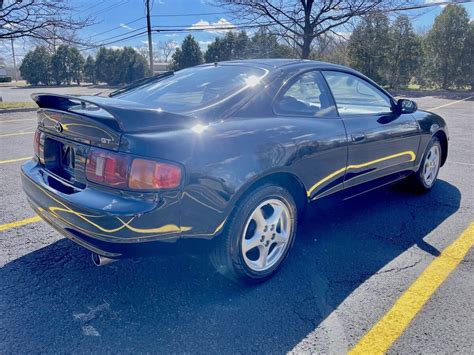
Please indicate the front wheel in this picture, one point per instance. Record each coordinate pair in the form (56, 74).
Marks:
(258, 237)
(425, 178)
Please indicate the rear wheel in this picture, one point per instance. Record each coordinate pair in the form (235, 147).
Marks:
(258, 237)
(426, 176)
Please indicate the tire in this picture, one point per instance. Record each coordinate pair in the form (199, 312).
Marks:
(422, 181)
(240, 251)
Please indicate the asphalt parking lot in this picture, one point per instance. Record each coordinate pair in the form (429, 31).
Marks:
(351, 262)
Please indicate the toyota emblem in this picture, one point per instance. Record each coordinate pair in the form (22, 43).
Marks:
(58, 127)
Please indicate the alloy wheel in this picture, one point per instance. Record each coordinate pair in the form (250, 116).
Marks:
(266, 235)
(431, 167)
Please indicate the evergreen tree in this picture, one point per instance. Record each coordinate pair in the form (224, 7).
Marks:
(444, 48)
(214, 52)
(188, 55)
(467, 57)
(89, 69)
(131, 66)
(405, 52)
(120, 66)
(368, 46)
(67, 65)
(231, 46)
(60, 65)
(266, 45)
(105, 65)
(35, 67)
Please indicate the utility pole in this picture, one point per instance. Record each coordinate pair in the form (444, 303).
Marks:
(150, 43)
(14, 60)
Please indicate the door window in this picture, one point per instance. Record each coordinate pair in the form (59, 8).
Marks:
(306, 96)
(355, 96)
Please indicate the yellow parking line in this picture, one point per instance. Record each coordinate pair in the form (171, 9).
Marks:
(381, 337)
(13, 160)
(15, 134)
(4, 227)
(450, 103)
(20, 119)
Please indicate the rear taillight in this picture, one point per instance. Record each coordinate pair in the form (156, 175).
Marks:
(107, 168)
(148, 175)
(123, 171)
(36, 142)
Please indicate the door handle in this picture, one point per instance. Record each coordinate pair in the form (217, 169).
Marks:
(357, 137)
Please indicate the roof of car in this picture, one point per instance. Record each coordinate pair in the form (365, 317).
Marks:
(283, 62)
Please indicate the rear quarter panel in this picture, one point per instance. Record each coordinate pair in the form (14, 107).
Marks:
(224, 159)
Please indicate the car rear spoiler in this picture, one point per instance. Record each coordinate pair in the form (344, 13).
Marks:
(127, 116)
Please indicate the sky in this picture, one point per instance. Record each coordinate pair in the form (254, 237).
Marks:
(121, 18)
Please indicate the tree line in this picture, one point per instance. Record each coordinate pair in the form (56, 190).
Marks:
(389, 52)
(66, 65)
(394, 55)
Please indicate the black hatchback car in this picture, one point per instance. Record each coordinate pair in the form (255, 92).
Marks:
(230, 151)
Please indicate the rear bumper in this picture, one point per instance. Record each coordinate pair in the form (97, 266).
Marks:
(104, 222)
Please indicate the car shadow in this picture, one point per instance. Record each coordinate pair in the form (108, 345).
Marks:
(55, 300)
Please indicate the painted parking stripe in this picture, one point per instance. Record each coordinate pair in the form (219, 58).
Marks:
(19, 120)
(15, 134)
(7, 226)
(381, 337)
(13, 160)
(450, 103)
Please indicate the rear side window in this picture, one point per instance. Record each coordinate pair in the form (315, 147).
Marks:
(355, 96)
(195, 88)
(305, 96)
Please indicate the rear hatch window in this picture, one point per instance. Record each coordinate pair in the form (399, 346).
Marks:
(195, 88)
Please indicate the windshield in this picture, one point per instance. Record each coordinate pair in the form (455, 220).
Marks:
(195, 88)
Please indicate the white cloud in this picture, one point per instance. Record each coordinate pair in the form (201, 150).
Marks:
(123, 25)
(438, 1)
(220, 26)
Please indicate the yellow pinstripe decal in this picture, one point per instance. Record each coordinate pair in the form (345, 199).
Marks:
(409, 153)
(169, 228)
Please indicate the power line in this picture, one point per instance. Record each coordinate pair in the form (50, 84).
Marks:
(120, 26)
(191, 28)
(112, 42)
(195, 14)
(433, 4)
(162, 15)
(91, 7)
(107, 9)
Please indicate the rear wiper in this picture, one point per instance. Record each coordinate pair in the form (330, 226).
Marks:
(141, 82)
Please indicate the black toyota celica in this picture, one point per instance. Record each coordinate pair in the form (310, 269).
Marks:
(230, 151)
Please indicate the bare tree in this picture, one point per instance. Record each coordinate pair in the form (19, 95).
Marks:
(302, 21)
(167, 48)
(53, 37)
(144, 52)
(38, 19)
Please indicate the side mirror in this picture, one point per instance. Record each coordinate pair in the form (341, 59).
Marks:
(406, 106)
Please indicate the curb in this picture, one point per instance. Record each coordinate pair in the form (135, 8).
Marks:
(14, 110)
